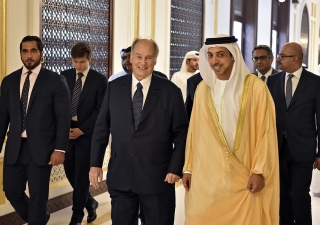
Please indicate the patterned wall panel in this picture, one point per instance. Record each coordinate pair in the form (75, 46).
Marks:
(186, 30)
(65, 22)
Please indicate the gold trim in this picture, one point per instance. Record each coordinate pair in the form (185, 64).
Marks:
(136, 18)
(3, 39)
(215, 28)
(242, 112)
(153, 18)
(240, 122)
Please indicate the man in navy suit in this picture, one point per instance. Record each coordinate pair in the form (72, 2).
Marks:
(36, 103)
(87, 96)
(296, 93)
(146, 117)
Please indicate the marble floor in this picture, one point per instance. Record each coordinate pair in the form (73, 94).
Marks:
(62, 217)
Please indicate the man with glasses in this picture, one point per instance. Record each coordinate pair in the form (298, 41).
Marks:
(296, 94)
(262, 57)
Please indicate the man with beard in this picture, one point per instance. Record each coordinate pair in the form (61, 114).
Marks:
(231, 165)
(125, 63)
(36, 103)
(189, 68)
(262, 57)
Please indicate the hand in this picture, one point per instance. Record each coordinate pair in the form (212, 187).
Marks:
(95, 174)
(75, 133)
(256, 183)
(186, 180)
(171, 178)
(316, 164)
(56, 158)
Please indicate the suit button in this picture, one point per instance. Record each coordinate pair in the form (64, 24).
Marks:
(133, 139)
(131, 154)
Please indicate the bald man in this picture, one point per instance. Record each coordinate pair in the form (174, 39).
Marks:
(296, 93)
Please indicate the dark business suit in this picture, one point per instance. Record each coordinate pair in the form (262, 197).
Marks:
(77, 162)
(47, 120)
(141, 159)
(273, 72)
(192, 84)
(297, 141)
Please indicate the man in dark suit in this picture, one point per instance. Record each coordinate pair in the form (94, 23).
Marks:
(146, 117)
(36, 103)
(262, 57)
(192, 84)
(296, 93)
(86, 101)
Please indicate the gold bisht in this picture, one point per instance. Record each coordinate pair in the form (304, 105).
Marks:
(218, 193)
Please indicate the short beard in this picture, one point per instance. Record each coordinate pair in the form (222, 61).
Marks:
(36, 63)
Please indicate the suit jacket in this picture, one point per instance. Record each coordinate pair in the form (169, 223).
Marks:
(273, 72)
(141, 159)
(48, 116)
(90, 101)
(192, 84)
(300, 120)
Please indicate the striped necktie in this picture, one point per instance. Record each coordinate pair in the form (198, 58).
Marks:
(76, 95)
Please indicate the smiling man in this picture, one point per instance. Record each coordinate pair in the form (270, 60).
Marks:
(262, 57)
(231, 165)
(146, 117)
(87, 88)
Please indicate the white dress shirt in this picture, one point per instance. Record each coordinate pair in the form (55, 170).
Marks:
(145, 86)
(266, 75)
(295, 80)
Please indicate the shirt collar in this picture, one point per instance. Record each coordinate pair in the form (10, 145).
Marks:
(34, 71)
(267, 73)
(144, 82)
(297, 73)
(85, 73)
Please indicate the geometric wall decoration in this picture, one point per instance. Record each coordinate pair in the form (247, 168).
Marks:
(65, 22)
(186, 30)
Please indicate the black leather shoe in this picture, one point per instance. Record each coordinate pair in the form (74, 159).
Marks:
(74, 223)
(92, 215)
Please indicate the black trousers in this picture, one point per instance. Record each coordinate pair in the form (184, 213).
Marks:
(32, 210)
(158, 209)
(77, 166)
(295, 180)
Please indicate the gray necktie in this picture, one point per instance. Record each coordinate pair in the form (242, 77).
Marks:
(76, 95)
(137, 105)
(263, 77)
(289, 89)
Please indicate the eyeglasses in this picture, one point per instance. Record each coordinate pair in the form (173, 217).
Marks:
(262, 58)
(281, 57)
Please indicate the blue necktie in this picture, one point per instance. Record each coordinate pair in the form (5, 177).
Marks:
(24, 101)
(263, 77)
(289, 89)
(76, 95)
(137, 105)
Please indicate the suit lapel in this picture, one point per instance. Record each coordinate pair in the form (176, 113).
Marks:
(301, 86)
(71, 80)
(87, 85)
(280, 93)
(37, 86)
(126, 96)
(152, 97)
(16, 88)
